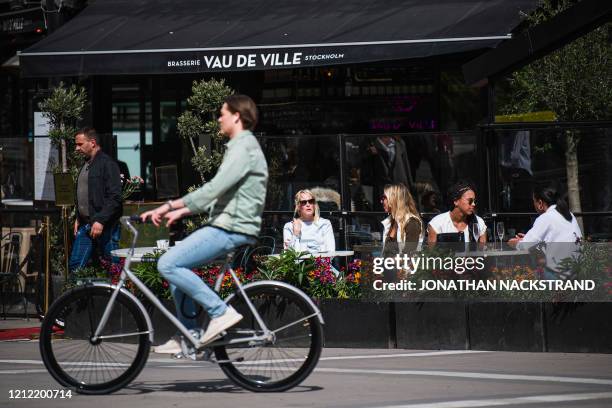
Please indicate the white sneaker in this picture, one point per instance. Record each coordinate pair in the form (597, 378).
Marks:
(172, 346)
(220, 324)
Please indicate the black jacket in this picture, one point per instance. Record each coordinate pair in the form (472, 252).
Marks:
(105, 187)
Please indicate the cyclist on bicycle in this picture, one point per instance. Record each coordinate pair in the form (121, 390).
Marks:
(234, 199)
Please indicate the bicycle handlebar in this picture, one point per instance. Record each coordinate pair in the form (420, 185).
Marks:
(135, 219)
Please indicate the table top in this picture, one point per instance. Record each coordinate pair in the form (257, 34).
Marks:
(139, 252)
(493, 252)
(329, 254)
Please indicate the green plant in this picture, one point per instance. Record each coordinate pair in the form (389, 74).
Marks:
(591, 261)
(64, 108)
(147, 272)
(288, 267)
(200, 119)
(130, 185)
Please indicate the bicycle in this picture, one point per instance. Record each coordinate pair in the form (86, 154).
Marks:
(108, 333)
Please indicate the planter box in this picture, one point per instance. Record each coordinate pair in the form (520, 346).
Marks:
(354, 323)
(431, 326)
(579, 327)
(529, 327)
(506, 326)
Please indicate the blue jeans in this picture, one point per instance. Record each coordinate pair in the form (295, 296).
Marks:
(84, 245)
(197, 249)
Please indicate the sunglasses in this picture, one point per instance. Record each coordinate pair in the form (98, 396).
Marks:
(383, 198)
(304, 202)
(471, 201)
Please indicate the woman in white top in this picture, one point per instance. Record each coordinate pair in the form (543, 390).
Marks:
(403, 225)
(308, 231)
(555, 224)
(461, 217)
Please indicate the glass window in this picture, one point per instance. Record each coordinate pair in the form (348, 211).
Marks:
(296, 163)
(427, 163)
(16, 169)
(536, 157)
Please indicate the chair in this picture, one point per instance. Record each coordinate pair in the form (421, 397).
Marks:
(10, 269)
(265, 245)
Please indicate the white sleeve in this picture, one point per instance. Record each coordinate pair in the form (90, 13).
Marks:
(482, 226)
(435, 224)
(534, 236)
(290, 240)
(328, 238)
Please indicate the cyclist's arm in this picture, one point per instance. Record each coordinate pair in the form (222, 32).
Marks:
(231, 171)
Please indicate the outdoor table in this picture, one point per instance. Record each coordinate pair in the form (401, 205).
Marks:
(493, 253)
(329, 254)
(139, 253)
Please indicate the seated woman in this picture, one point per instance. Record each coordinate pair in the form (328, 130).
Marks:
(555, 224)
(403, 228)
(461, 217)
(308, 232)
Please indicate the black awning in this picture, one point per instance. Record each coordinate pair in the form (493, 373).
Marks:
(159, 37)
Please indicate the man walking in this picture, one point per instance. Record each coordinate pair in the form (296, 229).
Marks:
(98, 202)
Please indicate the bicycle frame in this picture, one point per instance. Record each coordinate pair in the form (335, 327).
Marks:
(126, 274)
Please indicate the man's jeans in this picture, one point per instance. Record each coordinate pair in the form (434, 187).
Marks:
(85, 246)
(199, 248)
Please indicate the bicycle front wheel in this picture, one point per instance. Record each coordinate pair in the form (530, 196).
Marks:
(106, 364)
(287, 359)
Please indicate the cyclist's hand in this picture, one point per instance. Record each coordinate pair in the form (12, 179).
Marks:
(76, 228)
(156, 214)
(176, 215)
(297, 227)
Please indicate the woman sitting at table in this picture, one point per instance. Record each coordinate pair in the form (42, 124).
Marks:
(403, 228)
(555, 224)
(308, 232)
(462, 216)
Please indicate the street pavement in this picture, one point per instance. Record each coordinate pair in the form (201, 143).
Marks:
(344, 378)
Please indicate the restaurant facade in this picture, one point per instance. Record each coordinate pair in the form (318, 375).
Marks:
(336, 84)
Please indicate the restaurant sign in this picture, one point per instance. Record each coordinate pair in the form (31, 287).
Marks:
(256, 60)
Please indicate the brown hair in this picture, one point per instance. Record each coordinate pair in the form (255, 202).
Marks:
(89, 133)
(245, 106)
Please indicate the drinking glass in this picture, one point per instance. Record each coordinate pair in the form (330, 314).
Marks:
(476, 233)
(499, 228)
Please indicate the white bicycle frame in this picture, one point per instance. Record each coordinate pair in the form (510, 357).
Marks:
(126, 273)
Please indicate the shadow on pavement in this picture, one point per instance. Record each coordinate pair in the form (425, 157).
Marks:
(225, 386)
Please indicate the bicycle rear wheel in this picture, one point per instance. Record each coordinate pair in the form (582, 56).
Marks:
(94, 367)
(284, 362)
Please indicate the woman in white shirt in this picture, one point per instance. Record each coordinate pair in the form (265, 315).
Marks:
(308, 231)
(462, 216)
(556, 225)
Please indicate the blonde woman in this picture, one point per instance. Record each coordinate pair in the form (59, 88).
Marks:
(403, 228)
(308, 231)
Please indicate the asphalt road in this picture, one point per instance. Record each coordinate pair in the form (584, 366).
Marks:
(344, 378)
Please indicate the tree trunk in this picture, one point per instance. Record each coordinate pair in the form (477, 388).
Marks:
(571, 168)
(64, 159)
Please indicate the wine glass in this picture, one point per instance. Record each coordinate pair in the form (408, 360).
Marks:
(499, 228)
(476, 233)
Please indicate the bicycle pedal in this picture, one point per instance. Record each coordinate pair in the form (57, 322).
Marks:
(206, 355)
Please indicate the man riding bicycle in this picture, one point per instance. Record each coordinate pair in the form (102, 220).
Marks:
(234, 199)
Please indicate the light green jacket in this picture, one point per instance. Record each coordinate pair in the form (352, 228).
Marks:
(235, 197)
